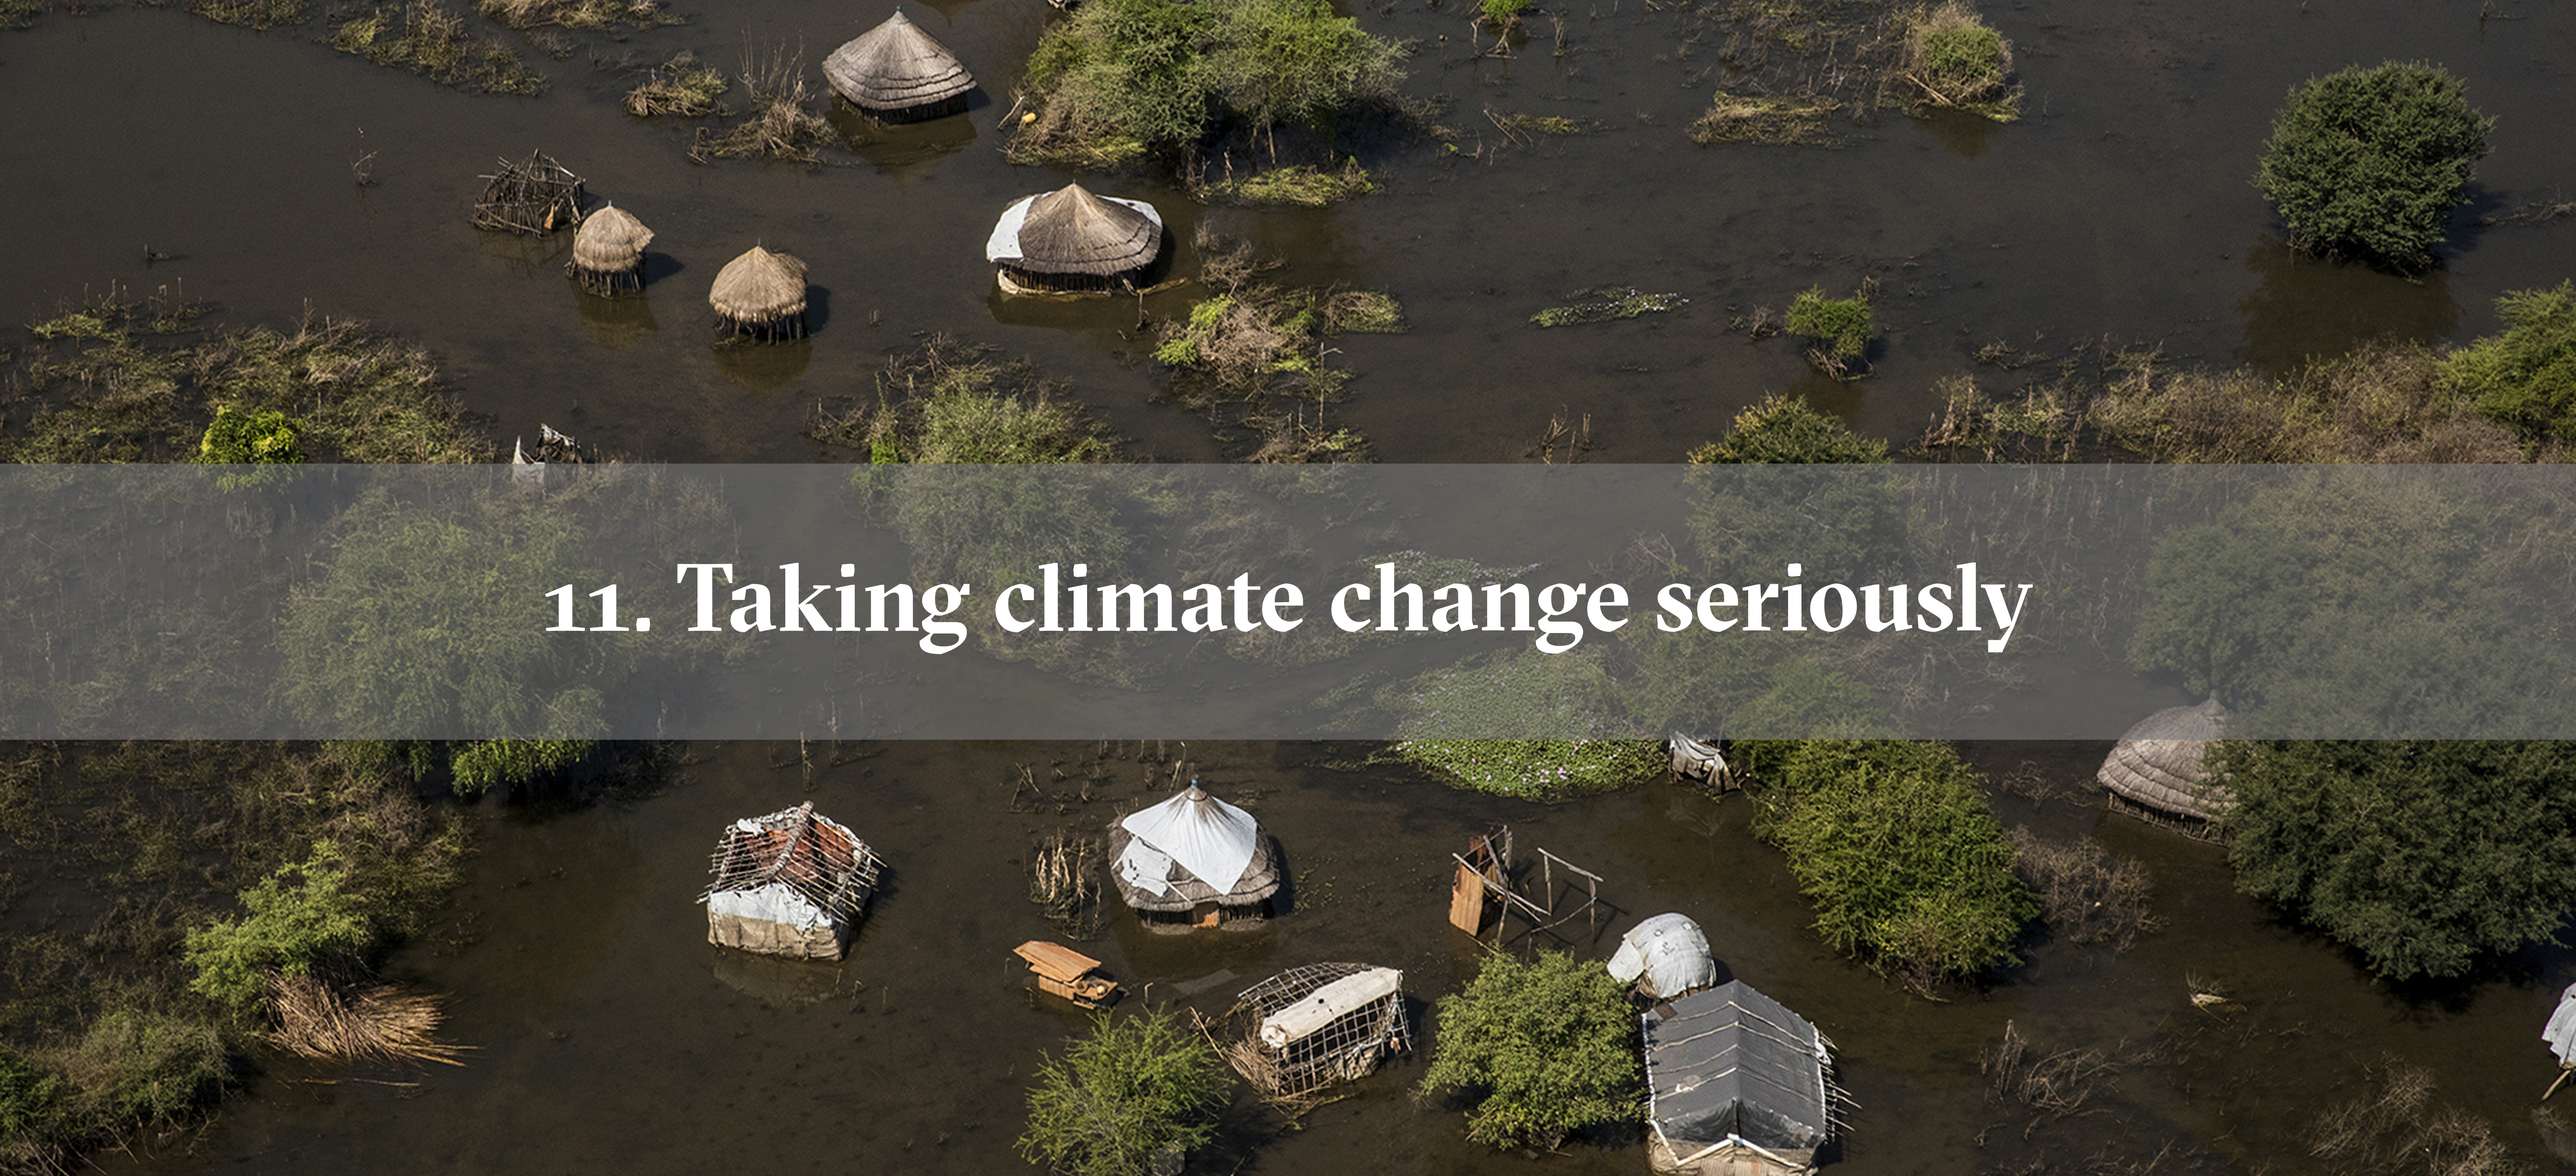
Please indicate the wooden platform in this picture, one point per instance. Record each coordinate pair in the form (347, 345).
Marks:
(1067, 973)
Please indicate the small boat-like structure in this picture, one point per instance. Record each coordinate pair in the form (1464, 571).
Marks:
(792, 883)
(1068, 973)
(1193, 861)
(1737, 1085)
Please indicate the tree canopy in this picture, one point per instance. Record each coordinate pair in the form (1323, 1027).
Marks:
(2370, 161)
(1545, 1049)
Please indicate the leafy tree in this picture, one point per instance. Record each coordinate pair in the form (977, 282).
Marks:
(1839, 524)
(1893, 844)
(1137, 1086)
(1545, 1049)
(2419, 855)
(2368, 162)
(2525, 378)
(287, 928)
(481, 764)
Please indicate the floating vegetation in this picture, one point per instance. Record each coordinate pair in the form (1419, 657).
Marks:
(254, 14)
(1761, 118)
(1841, 327)
(524, 15)
(1603, 304)
(432, 43)
(1954, 61)
(1302, 184)
(1539, 124)
(1257, 352)
(782, 123)
(19, 14)
(680, 87)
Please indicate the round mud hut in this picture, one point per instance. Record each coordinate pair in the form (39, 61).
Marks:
(899, 73)
(608, 251)
(2157, 765)
(761, 294)
(1069, 240)
(1194, 861)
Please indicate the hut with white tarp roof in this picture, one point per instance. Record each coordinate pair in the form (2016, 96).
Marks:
(1665, 956)
(1193, 861)
(792, 883)
(1316, 1026)
(2157, 765)
(900, 73)
(1070, 240)
(1737, 1085)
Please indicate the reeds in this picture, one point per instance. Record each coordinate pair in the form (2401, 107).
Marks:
(357, 1018)
(432, 43)
(2398, 1128)
(2086, 894)
(1064, 880)
(524, 15)
(781, 125)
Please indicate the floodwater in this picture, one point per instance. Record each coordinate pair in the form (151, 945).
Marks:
(609, 1037)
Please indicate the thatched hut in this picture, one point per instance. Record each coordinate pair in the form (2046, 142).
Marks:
(1071, 240)
(761, 293)
(1665, 956)
(2157, 765)
(1309, 1028)
(608, 251)
(1736, 1085)
(1193, 861)
(899, 73)
(792, 883)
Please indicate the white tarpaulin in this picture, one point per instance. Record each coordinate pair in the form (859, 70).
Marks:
(1004, 244)
(2561, 1031)
(1213, 840)
(1329, 1004)
(776, 903)
(1670, 951)
(1146, 868)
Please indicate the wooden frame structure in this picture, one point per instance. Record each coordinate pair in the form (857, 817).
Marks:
(1485, 883)
(534, 198)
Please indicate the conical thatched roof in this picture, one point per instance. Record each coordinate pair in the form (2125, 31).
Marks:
(611, 240)
(1071, 231)
(759, 287)
(896, 66)
(2157, 764)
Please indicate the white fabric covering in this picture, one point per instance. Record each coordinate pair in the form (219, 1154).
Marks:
(1670, 951)
(2561, 1032)
(1328, 1004)
(1004, 244)
(1146, 867)
(776, 903)
(1211, 839)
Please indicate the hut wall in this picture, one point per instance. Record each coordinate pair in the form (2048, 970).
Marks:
(1729, 1157)
(953, 104)
(828, 941)
(1020, 281)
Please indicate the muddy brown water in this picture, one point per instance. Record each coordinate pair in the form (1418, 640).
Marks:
(611, 1038)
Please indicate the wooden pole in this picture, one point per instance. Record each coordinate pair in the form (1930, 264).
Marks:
(2563, 1071)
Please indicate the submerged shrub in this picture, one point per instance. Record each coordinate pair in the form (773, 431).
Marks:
(1956, 60)
(1786, 429)
(1545, 1049)
(1136, 1087)
(287, 929)
(1840, 326)
(2525, 378)
(145, 1068)
(2368, 162)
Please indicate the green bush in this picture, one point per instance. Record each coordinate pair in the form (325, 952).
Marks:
(1956, 61)
(148, 1069)
(1544, 1049)
(1786, 429)
(2525, 378)
(253, 437)
(1502, 14)
(1893, 844)
(287, 930)
(481, 764)
(2368, 162)
(1137, 1086)
(30, 1100)
(2396, 850)
(1839, 524)
(1840, 326)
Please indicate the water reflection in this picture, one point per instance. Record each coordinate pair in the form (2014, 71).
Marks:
(1840, 399)
(522, 255)
(903, 149)
(763, 368)
(2305, 308)
(614, 323)
(778, 983)
(1964, 134)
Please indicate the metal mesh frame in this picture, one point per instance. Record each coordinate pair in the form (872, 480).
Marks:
(1346, 1049)
(816, 856)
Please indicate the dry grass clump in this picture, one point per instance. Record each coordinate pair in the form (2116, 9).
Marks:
(781, 124)
(2399, 1129)
(2086, 894)
(680, 87)
(1766, 118)
(1064, 880)
(1953, 60)
(254, 14)
(433, 44)
(524, 15)
(1303, 185)
(356, 1019)
(2053, 1084)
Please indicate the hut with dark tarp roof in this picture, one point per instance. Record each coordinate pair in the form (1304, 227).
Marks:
(608, 251)
(899, 73)
(1736, 1085)
(1193, 861)
(792, 883)
(1071, 240)
(761, 293)
(2157, 765)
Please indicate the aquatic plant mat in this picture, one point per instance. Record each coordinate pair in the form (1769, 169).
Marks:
(1602, 304)
(428, 38)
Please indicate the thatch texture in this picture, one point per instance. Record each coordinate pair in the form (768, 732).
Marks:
(1071, 231)
(611, 241)
(1260, 880)
(2158, 763)
(896, 66)
(759, 288)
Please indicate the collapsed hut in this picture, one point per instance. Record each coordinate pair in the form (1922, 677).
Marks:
(535, 196)
(608, 251)
(1193, 861)
(1736, 1085)
(1071, 241)
(2157, 765)
(2560, 1033)
(1701, 762)
(899, 73)
(761, 294)
(1305, 1030)
(792, 883)
(1665, 956)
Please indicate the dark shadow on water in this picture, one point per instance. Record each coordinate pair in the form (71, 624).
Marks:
(2305, 308)
(614, 323)
(1966, 135)
(524, 255)
(899, 149)
(763, 368)
(1840, 399)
